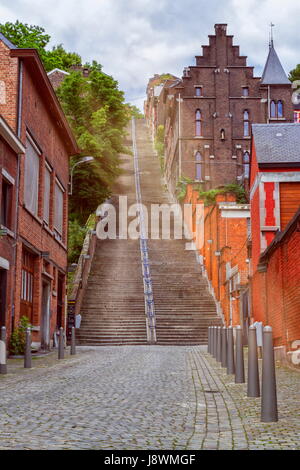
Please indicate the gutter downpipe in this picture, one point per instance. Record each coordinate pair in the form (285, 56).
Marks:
(19, 131)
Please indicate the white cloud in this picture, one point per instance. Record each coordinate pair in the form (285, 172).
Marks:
(133, 39)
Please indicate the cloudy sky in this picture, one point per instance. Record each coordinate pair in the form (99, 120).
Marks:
(133, 39)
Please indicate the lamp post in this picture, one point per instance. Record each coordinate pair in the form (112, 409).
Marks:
(82, 160)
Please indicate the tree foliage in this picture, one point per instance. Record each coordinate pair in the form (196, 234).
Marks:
(295, 73)
(31, 36)
(97, 114)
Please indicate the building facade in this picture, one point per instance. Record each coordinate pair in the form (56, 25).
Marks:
(223, 253)
(40, 240)
(11, 150)
(275, 199)
(209, 112)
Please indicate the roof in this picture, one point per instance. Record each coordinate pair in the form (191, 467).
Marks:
(274, 73)
(42, 81)
(277, 144)
(58, 70)
(6, 41)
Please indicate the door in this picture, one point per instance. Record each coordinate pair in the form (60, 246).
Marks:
(3, 284)
(27, 285)
(45, 327)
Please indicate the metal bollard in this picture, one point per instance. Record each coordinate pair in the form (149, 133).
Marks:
(219, 343)
(210, 340)
(269, 411)
(224, 347)
(253, 389)
(61, 350)
(3, 365)
(214, 341)
(27, 355)
(239, 356)
(230, 351)
(73, 342)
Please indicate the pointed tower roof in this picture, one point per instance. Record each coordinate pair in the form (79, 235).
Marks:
(274, 73)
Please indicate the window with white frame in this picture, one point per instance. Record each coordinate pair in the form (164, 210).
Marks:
(59, 209)
(31, 177)
(47, 193)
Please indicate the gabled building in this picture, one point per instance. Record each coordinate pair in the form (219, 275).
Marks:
(35, 116)
(275, 199)
(211, 108)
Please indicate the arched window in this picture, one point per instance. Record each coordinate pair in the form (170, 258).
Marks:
(246, 163)
(280, 109)
(198, 158)
(246, 124)
(273, 106)
(198, 127)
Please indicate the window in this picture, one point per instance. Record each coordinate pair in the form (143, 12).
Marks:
(280, 109)
(31, 178)
(246, 163)
(245, 91)
(27, 282)
(198, 171)
(246, 124)
(6, 204)
(47, 194)
(198, 91)
(59, 209)
(276, 109)
(198, 130)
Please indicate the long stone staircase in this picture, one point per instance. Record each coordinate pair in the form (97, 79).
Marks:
(113, 311)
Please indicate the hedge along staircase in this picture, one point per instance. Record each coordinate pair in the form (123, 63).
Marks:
(113, 311)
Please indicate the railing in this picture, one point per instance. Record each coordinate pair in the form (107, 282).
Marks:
(147, 281)
(84, 264)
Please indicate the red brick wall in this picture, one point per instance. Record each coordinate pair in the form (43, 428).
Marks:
(8, 162)
(9, 79)
(276, 292)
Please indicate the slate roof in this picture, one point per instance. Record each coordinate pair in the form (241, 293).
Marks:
(277, 144)
(274, 73)
(9, 44)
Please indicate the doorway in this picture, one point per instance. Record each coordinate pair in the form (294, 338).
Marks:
(45, 326)
(3, 284)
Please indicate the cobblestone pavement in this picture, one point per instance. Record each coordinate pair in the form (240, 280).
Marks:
(140, 397)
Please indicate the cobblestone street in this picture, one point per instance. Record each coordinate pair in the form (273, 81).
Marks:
(140, 397)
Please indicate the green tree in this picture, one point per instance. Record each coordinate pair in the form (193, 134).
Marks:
(295, 73)
(98, 116)
(31, 36)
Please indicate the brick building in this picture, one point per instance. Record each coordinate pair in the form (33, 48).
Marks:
(32, 110)
(57, 76)
(223, 253)
(275, 198)
(209, 112)
(10, 150)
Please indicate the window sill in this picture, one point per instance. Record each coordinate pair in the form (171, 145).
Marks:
(9, 232)
(35, 217)
(198, 137)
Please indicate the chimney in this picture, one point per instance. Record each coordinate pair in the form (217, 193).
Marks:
(221, 29)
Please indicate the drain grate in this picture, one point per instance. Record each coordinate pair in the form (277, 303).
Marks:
(211, 391)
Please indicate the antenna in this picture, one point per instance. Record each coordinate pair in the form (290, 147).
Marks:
(271, 41)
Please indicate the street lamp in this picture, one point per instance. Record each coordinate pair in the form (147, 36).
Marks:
(82, 160)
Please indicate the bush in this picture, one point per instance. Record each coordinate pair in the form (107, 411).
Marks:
(18, 337)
